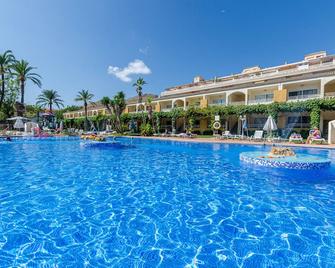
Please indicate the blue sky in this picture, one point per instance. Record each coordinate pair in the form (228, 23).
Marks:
(73, 42)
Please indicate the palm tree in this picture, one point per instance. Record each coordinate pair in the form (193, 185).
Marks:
(6, 60)
(85, 97)
(49, 97)
(118, 104)
(139, 86)
(149, 107)
(23, 71)
(106, 101)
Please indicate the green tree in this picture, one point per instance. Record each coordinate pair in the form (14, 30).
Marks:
(48, 98)
(6, 60)
(11, 93)
(118, 104)
(85, 96)
(149, 107)
(33, 110)
(24, 72)
(139, 87)
(106, 101)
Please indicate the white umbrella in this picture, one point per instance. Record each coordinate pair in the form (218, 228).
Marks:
(61, 126)
(270, 125)
(19, 124)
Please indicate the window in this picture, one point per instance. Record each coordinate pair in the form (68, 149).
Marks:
(260, 120)
(303, 93)
(196, 123)
(298, 119)
(219, 101)
(264, 97)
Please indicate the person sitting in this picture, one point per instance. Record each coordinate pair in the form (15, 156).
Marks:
(313, 134)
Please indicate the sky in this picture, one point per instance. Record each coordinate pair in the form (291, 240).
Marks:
(105, 45)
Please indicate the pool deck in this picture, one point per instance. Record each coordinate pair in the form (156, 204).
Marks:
(232, 141)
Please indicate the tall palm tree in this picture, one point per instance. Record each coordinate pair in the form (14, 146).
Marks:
(149, 107)
(85, 97)
(106, 101)
(6, 60)
(118, 104)
(139, 86)
(23, 71)
(49, 97)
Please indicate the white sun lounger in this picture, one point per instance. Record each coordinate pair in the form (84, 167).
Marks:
(258, 136)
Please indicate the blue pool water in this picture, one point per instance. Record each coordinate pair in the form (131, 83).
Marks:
(160, 204)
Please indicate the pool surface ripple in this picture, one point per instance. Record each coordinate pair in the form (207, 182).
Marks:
(161, 204)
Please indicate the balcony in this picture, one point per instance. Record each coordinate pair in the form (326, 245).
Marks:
(329, 95)
(217, 102)
(260, 101)
(275, 72)
(304, 97)
(237, 103)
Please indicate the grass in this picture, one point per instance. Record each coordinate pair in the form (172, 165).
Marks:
(205, 136)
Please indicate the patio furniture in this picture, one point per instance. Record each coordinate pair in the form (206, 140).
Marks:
(258, 135)
(226, 135)
(296, 138)
(318, 141)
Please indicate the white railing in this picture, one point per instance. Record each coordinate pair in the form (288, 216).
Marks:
(259, 101)
(166, 109)
(217, 104)
(330, 94)
(304, 97)
(237, 103)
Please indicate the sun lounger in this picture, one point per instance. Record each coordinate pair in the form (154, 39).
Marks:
(296, 138)
(318, 140)
(258, 135)
(186, 135)
(226, 135)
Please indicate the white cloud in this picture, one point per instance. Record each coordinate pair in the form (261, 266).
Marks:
(134, 67)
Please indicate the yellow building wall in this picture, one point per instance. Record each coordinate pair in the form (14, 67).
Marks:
(158, 107)
(203, 103)
(330, 88)
(280, 95)
(126, 110)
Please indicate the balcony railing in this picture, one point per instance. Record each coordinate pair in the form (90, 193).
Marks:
(304, 97)
(237, 103)
(166, 109)
(330, 95)
(259, 101)
(217, 104)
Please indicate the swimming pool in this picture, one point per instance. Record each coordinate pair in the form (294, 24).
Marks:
(160, 204)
